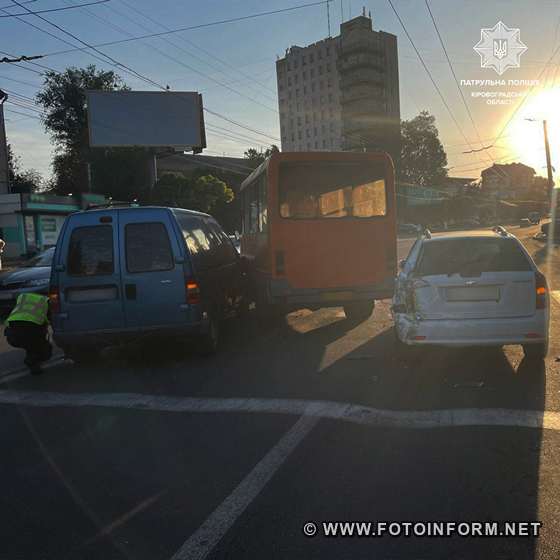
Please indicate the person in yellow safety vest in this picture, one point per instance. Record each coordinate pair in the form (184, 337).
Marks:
(27, 327)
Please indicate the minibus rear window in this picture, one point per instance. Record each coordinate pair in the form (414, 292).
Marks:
(331, 190)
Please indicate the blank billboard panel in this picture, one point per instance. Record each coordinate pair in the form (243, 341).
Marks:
(169, 119)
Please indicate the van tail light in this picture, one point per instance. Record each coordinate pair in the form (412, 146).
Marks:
(192, 291)
(541, 290)
(54, 299)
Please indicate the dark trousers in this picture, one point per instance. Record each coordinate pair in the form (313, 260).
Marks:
(34, 339)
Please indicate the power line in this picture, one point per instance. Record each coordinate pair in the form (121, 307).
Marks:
(429, 73)
(22, 58)
(456, 81)
(239, 135)
(2, 77)
(25, 67)
(24, 114)
(23, 2)
(191, 27)
(87, 45)
(209, 111)
(55, 9)
(189, 42)
(180, 62)
(526, 96)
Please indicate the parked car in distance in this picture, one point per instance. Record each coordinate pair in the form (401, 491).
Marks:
(546, 228)
(32, 276)
(480, 289)
(407, 229)
(534, 218)
(124, 272)
(469, 223)
(524, 222)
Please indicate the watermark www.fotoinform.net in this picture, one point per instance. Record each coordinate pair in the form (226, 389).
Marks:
(422, 529)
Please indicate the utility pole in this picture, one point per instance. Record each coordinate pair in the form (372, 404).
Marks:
(553, 191)
(548, 162)
(4, 166)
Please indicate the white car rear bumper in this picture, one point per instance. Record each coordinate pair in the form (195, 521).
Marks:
(472, 332)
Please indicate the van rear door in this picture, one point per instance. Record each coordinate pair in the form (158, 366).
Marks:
(89, 276)
(152, 270)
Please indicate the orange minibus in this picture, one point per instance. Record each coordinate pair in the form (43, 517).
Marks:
(319, 230)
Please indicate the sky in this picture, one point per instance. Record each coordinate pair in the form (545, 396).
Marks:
(233, 66)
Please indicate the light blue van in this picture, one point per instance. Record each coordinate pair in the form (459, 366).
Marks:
(123, 272)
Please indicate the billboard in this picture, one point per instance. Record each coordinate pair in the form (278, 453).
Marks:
(168, 119)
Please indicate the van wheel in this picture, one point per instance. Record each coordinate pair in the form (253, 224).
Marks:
(359, 311)
(210, 341)
(535, 351)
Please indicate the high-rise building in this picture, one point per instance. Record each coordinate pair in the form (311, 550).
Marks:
(341, 93)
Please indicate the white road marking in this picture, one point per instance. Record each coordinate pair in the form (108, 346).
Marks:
(207, 536)
(17, 373)
(556, 295)
(346, 412)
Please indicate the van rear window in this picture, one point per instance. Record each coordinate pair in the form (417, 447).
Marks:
(471, 257)
(90, 252)
(147, 247)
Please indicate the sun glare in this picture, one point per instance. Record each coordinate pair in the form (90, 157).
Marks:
(526, 137)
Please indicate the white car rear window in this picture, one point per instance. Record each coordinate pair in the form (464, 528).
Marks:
(471, 257)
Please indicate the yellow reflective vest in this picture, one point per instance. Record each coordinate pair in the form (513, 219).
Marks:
(32, 308)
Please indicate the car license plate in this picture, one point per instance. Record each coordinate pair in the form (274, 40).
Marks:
(337, 296)
(473, 293)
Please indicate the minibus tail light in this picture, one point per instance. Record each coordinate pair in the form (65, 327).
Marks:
(541, 290)
(192, 291)
(54, 299)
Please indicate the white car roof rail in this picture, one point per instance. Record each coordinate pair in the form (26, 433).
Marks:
(500, 230)
(423, 232)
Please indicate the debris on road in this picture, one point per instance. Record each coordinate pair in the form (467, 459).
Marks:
(469, 385)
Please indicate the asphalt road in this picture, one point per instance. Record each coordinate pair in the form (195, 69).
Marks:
(157, 453)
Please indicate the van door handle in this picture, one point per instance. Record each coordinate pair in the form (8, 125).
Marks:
(130, 291)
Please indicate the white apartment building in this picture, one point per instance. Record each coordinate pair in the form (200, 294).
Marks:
(309, 98)
(341, 93)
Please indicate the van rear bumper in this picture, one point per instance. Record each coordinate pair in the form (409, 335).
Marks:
(281, 292)
(99, 338)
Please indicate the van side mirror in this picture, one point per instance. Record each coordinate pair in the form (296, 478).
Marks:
(402, 264)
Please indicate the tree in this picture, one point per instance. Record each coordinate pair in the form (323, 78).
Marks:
(205, 193)
(423, 159)
(65, 119)
(22, 181)
(255, 158)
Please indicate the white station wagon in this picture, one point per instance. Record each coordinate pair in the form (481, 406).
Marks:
(475, 289)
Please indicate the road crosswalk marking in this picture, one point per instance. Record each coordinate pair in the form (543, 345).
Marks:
(346, 412)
